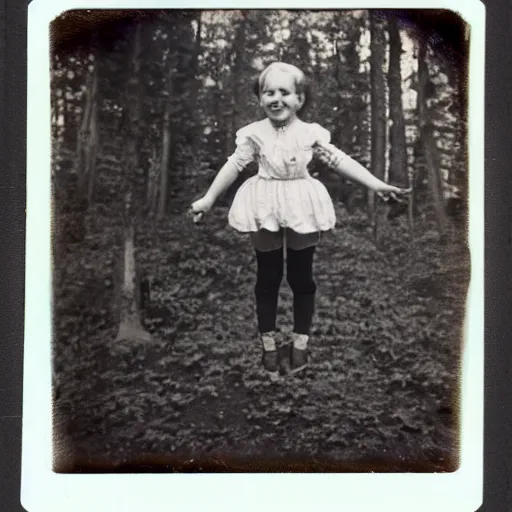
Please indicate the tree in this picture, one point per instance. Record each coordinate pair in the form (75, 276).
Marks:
(237, 79)
(87, 143)
(131, 329)
(378, 103)
(179, 123)
(195, 78)
(426, 92)
(351, 85)
(398, 173)
(448, 116)
(167, 131)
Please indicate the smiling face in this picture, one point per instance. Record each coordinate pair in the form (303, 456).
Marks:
(279, 97)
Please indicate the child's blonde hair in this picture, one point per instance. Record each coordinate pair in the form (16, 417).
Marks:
(299, 78)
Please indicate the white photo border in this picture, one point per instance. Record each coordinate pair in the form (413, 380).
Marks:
(44, 490)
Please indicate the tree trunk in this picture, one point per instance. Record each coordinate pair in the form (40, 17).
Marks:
(398, 169)
(397, 153)
(152, 185)
(69, 121)
(131, 329)
(93, 147)
(378, 105)
(237, 81)
(430, 150)
(220, 128)
(198, 43)
(87, 140)
(130, 325)
(132, 119)
(55, 100)
(195, 81)
(166, 146)
(342, 125)
(418, 160)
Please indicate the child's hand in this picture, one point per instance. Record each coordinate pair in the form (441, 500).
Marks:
(200, 207)
(386, 191)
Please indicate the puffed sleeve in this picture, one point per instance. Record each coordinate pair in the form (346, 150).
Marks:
(324, 150)
(322, 136)
(245, 151)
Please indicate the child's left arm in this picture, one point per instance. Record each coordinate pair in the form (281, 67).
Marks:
(347, 166)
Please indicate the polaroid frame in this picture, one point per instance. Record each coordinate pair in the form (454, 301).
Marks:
(42, 489)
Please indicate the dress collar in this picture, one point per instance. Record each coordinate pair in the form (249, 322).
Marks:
(281, 130)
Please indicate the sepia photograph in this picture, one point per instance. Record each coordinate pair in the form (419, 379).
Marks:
(261, 246)
(260, 255)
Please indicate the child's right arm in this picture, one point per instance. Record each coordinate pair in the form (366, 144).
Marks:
(245, 152)
(224, 179)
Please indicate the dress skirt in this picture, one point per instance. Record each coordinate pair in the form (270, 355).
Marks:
(303, 205)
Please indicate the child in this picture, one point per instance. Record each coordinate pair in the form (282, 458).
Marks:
(283, 206)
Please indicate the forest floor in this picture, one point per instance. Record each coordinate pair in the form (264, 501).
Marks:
(380, 393)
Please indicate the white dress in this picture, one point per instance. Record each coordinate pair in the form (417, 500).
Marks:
(282, 194)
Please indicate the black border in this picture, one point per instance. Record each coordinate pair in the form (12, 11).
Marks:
(498, 259)
(498, 241)
(13, 72)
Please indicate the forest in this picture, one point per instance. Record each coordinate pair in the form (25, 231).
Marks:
(155, 345)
